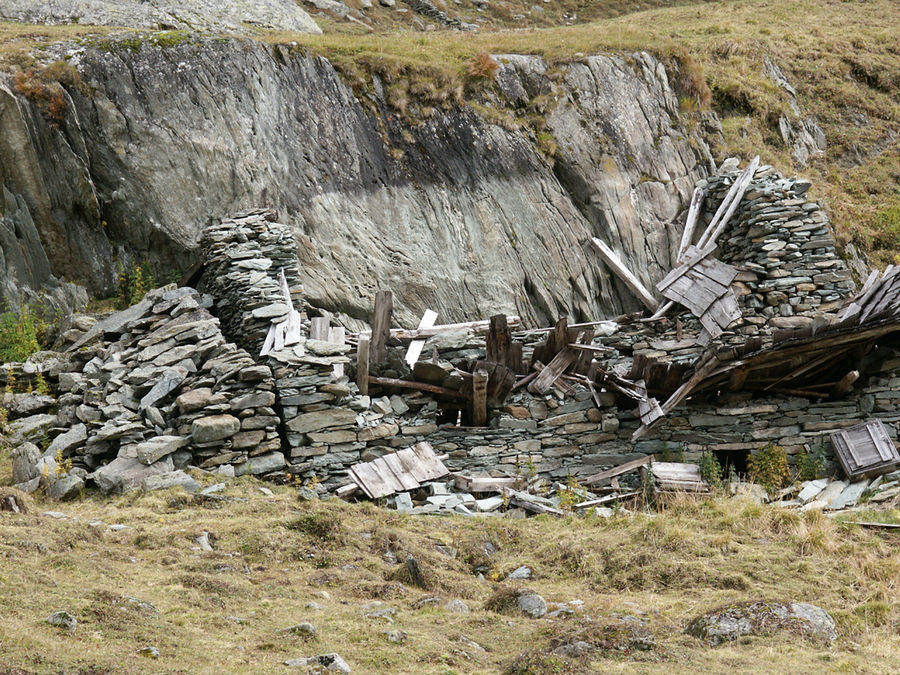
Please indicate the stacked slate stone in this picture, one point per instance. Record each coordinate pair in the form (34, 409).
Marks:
(243, 256)
(787, 241)
(318, 407)
(153, 389)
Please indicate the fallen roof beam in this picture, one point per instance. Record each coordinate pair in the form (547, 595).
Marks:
(634, 284)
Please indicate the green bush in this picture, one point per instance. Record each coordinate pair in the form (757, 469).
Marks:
(811, 464)
(769, 467)
(710, 469)
(134, 282)
(21, 333)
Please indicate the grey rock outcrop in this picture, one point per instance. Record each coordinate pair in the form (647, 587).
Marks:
(455, 214)
(763, 618)
(208, 15)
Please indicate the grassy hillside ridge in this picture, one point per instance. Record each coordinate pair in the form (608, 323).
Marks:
(842, 57)
(227, 610)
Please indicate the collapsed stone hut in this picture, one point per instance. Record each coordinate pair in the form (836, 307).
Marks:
(241, 377)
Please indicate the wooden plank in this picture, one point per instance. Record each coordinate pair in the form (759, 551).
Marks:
(410, 384)
(525, 380)
(381, 326)
(856, 305)
(415, 347)
(548, 376)
(632, 282)
(585, 356)
(412, 465)
(599, 349)
(408, 481)
(618, 470)
(690, 224)
(501, 380)
(479, 397)
(360, 482)
(716, 270)
(431, 464)
(370, 480)
(318, 328)
(386, 475)
(362, 365)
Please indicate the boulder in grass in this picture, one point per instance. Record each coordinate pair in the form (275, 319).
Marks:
(763, 618)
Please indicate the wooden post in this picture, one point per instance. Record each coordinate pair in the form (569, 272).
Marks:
(687, 236)
(381, 326)
(479, 397)
(499, 341)
(362, 365)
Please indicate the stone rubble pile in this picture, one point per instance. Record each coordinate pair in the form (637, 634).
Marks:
(150, 391)
(243, 257)
(787, 241)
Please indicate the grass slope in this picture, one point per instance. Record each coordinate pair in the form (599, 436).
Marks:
(226, 611)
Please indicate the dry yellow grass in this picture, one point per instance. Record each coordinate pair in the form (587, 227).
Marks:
(226, 611)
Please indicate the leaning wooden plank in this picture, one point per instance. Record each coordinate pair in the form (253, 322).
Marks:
(615, 264)
(591, 348)
(680, 486)
(733, 199)
(881, 290)
(548, 376)
(347, 490)
(690, 224)
(415, 347)
(410, 384)
(618, 470)
(369, 480)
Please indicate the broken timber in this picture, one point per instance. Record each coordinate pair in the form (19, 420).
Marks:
(416, 346)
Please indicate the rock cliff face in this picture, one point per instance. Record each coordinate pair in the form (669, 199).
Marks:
(455, 214)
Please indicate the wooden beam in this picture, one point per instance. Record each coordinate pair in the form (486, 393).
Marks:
(421, 386)
(479, 397)
(476, 327)
(362, 365)
(381, 326)
(634, 284)
(732, 199)
(560, 363)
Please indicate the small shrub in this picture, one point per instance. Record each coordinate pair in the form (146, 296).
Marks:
(769, 467)
(688, 77)
(711, 470)
(319, 525)
(811, 464)
(134, 282)
(21, 333)
(46, 93)
(504, 599)
(482, 66)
